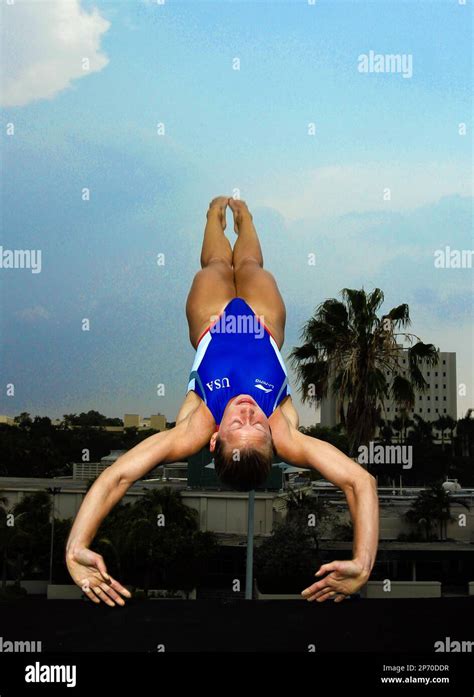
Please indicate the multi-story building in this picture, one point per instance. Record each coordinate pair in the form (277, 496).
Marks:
(439, 399)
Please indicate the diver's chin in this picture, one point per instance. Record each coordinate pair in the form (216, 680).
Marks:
(244, 399)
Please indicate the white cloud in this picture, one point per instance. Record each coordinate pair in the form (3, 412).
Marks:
(31, 314)
(44, 45)
(337, 190)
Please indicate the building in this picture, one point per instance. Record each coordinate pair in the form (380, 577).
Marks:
(91, 470)
(439, 399)
(156, 422)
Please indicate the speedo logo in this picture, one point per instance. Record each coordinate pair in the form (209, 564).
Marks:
(259, 384)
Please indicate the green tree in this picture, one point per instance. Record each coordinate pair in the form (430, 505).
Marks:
(387, 431)
(156, 540)
(25, 544)
(349, 349)
(291, 555)
(401, 424)
(465, 433)
(431, 511)
(335, 436)
(23, 420)
(421, 431)
(441, 424)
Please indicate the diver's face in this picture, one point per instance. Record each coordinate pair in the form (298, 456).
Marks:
(244, 423)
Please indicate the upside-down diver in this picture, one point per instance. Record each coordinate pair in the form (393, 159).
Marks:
(238, 403)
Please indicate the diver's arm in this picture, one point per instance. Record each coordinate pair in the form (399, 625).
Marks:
(168, 446)
(360, 489)
(87, 568)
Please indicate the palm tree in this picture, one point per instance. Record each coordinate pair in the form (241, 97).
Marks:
(300, 505)
(401, 424)
(465, 431)
(442, 424)
(421, 430)
(452, 423)
(398, 427)
(19, 540)
(349, 349)
(387, 431)
(433, 506)
(171, 551)
(4, 538)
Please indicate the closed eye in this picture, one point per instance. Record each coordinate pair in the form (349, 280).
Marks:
(237, 424)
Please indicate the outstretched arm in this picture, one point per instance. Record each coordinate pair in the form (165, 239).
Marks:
(85, 566)
(343, 577)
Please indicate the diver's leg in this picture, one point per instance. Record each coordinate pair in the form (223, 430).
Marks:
(253, 283)
(213, 286)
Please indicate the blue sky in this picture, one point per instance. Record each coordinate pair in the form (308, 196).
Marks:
(226, 130)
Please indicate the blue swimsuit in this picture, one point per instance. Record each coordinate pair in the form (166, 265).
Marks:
(238, 355)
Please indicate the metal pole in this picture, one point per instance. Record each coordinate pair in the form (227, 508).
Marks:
(53, 491)
(51, 546)
(250, 527)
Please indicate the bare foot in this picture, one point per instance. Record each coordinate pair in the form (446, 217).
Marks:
(219, 204)
(239, 209)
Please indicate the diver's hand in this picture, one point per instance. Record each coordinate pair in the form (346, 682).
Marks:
(342, 580)
(88, 571)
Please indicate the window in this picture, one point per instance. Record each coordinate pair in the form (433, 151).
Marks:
(404, 361)
(444, 375)
(436, 387)
(444, 411)
(396, 409)
(421, 410)
(428, 373)
(444, 399)
(437, 411)
(388, 408)
(436, 398)
(444, 361)
(428, 410)
(436, 374)
(428, 397)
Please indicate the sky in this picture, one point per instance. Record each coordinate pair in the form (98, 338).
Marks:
(267, 101)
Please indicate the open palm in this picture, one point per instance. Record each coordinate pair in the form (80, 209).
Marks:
(88, 571)
(342, 580)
